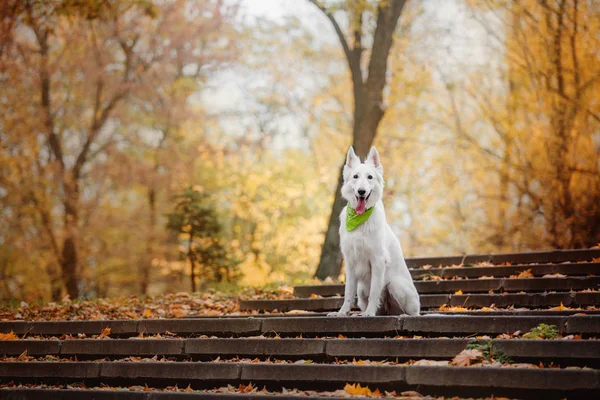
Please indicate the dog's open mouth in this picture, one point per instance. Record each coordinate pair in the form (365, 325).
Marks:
(362, 204)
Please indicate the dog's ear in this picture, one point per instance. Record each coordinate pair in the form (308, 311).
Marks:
(374, 160)
(352, 161)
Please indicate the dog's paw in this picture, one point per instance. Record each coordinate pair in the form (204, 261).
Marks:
(364, 314)
(337, 314)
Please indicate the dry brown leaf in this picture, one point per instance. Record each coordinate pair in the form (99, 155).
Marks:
(285, 289)
(431, 363)
(180, 313)
(411, 393)
(465, 357)
(105, 333)
(23, 356)
(556, 275)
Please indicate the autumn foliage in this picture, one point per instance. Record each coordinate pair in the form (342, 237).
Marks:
(111, 109)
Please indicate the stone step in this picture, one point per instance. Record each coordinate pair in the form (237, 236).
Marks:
(571, 299)
(553, 256)
(563, 352)
(472, 286)
(431, 379)
(109, 394)
(498, 271)
(433, 324)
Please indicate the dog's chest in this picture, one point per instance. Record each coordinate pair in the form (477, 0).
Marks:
(361, 242)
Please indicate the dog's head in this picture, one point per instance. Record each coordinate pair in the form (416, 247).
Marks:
(363, 182)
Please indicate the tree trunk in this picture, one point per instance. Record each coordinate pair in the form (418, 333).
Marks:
(69, 261)
(146, 262)
(330, 263)
(55, 281)
(192, 265)
(368, 107)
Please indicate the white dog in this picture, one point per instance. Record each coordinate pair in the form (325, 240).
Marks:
(375, 266)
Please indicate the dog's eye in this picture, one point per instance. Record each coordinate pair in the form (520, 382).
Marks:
(370, 176)
(356, 176)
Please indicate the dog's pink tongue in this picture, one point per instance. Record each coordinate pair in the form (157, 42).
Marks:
(360, 207)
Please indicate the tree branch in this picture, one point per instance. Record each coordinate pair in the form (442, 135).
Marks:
(350, 55)
(387, 18)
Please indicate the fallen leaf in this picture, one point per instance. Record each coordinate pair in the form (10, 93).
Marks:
(105, 333)
(525, 274)
(148, 313)
(295, 312)
(464, 358)
(430, 363)
(289, 290)
(356, 389)
(560, 308)
(459, 291)
(23, 356)
(8, 336)
(246, 388)
(556, 275)
(412, 393)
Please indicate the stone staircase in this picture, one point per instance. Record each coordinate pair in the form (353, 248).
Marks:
(306, 352)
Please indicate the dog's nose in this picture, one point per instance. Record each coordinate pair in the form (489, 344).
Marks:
(362, 192)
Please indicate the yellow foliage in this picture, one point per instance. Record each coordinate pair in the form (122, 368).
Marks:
(356, 389)
(8, 336)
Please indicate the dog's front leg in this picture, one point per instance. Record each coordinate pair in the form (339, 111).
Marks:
(377, 283)
(349, 294)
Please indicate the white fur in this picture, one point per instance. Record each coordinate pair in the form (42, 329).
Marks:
(375, 266)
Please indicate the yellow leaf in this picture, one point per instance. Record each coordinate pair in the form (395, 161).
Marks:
(356, 389)
(459, 291)
(525, 274)
(8, 336)
(105, 333)
(147, 313)
(560, 308)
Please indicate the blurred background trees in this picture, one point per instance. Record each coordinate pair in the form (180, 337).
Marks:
(490, 136)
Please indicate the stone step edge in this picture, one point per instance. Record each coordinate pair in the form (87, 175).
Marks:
(254, 326)
(295, 348)
(552, 256)
(469, 285)
(470, 377)
(539, 270)
(430, 301)
(77, 394)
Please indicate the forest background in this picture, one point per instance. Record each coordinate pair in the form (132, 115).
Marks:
(139, 137)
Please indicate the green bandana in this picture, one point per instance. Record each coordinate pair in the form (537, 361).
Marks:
(353, 220)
